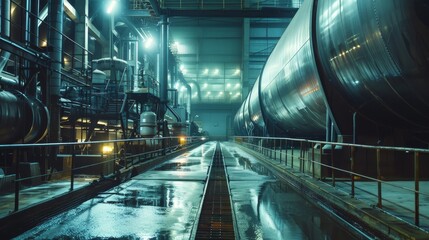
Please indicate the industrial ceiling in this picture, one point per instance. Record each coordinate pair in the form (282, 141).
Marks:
(222, 45)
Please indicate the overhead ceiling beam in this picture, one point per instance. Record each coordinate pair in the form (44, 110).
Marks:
(247, 13)
(137, 13)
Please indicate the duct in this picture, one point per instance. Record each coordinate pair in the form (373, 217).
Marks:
(5, 32)
(174, 113)
(24, 120)
(197, 85)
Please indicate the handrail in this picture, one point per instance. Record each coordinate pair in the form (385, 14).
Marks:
(307, 164)
(135, 151)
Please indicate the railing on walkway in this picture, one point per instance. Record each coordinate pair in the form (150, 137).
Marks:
(26, 165)
(352, 165)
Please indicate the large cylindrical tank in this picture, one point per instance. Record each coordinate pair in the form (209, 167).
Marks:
(288, 93)
(347, 58)
(375, 58)
(23, 119)
(148, 124)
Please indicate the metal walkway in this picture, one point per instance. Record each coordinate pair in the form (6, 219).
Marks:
(216, 215)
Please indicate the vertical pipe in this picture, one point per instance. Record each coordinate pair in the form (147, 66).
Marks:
(328, 127)
(163, 67)
(26, 20)
(379, 204)
(416, 188)
(34, 41)
(5, 30)
(56, 10)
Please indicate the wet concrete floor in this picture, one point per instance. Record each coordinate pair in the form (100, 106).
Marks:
(164, 202)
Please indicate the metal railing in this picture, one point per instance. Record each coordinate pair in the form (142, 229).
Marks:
(363, 170)
(78, 163)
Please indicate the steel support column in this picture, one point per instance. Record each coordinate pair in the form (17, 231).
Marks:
(163, 66)
(56, 9)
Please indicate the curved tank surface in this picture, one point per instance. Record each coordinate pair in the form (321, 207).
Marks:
(148, 124)
(347, 58)
(23, 119)
(375, 55)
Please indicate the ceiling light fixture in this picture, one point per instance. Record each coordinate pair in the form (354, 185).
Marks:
(148, 42)
(111, 6)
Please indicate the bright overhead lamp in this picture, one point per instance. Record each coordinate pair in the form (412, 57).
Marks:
(237, 71)
(148, 42)
(228, 85)
(216, 71)
(111, 6)
(206, 71)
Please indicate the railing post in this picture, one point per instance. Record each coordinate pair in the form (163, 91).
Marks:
(275, 155)
(291, 161)
(286, 154)
(17, 180)
(332, 164)
(320, 164)
(301, 158)
(280, 153)
(379, 203)
(72, 168)
(416, 188)
(352, 169)
(312, 160)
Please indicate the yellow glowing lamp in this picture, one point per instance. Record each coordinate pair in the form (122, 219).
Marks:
(107, 149)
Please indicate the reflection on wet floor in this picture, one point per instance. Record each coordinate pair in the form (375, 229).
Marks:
(266, 208)
(180, 165)
(164, 202)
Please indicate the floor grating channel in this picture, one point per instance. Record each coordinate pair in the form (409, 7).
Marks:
(216, 217)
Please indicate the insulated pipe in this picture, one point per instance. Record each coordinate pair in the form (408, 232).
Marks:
(56, 12)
